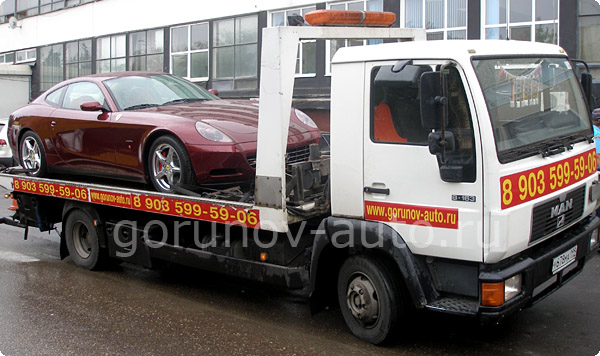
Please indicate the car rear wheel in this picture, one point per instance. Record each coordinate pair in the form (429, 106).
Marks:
(169, 164)
(32, 154)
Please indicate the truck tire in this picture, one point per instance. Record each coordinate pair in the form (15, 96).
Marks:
(81, 237)
(370, 298)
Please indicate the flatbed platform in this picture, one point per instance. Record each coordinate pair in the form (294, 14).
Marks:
(189, 207)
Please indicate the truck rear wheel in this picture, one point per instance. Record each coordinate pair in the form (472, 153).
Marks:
(370, 298)
(81, 237)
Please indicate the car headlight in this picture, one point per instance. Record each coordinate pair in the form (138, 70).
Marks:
(211, 133)
(306, 120)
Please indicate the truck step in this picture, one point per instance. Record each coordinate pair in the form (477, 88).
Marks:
(455, 305)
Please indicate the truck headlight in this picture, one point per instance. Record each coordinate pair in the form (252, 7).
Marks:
(512, 287)
(594, 239)
(496, 294)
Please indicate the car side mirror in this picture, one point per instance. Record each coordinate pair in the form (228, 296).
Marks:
(92, 106)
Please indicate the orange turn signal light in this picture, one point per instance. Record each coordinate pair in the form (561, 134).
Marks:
(350, 18)
(492, 294)
(263, 256)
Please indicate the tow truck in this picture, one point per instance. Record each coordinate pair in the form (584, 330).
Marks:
(461, 179)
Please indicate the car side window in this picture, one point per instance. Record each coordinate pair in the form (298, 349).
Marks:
(54, 97)
(83, 92)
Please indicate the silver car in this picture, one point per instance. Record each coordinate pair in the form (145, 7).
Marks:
(6, 157)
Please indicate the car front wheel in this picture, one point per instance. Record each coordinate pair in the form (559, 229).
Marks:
(169, 164)
(32, 154)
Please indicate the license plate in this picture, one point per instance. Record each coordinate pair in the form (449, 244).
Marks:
(563, 260)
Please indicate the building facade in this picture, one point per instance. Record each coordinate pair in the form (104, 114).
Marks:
(217, 45)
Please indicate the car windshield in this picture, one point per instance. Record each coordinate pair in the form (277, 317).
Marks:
(535, 105)
(138, 92)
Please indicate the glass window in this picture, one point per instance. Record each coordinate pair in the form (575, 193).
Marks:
(26, 55)
(306, 61)
(78, 58)
(54, 97)
(396, 115)
(395, 109)
(235, 53)
(589, 41)
(532, 101)
(110, 54)
(333, 45)
(146, 50)
(520, 11)
(8, 58)
(7, 9)
(51, 5)
(83, 92)
(131, 92)
(546, 10)
(189, 51)
(27, 8)
(588, 47)
(521, 20)
(443, 19)
(51, 66)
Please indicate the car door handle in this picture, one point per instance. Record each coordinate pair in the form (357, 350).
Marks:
(53, 123)
(371, 190)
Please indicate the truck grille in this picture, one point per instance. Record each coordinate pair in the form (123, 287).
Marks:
(555, 214)
(294, 155)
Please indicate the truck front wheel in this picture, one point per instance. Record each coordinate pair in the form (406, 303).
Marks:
(370, 298)
(81, 238)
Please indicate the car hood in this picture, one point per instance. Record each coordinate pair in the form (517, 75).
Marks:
(236, 118)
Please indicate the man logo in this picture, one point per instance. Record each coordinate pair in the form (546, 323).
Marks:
(560, 222)
(561, 208)
(558, 211)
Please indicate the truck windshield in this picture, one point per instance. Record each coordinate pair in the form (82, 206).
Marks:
(535, 105)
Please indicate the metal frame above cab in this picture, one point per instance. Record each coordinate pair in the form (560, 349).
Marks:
(278, 66)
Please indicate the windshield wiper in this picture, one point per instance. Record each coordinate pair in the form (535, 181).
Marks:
(576, 138)
(140, 106)
(515, 154)
(545, 148)
(183, 100)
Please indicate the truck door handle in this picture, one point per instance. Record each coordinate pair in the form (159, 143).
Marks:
(371, 190)
(53, 123)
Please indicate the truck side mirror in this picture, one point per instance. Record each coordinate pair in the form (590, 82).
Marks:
(437, 145)
(432, 101)
(586, 84)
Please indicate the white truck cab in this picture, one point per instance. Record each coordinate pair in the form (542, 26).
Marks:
(478, 156)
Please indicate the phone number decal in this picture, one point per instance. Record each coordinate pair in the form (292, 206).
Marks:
(149, 203)
(50, 189)
(524, 186)
(196, 210)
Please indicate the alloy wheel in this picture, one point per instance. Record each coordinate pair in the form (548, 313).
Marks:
(166, 166)
(31, 155)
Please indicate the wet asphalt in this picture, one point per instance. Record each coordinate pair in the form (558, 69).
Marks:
(50, 307)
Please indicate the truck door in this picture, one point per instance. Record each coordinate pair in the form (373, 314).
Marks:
(403, 183)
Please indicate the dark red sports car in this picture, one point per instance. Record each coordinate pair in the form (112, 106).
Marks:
(150, 127)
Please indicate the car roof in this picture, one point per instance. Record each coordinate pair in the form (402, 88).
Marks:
(111, 75)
